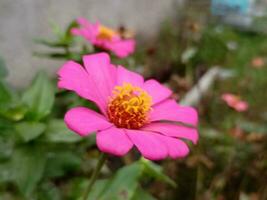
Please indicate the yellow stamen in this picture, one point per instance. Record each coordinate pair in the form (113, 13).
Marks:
(106, 33)
(129, 106)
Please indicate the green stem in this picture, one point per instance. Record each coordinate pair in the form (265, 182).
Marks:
(95, 174)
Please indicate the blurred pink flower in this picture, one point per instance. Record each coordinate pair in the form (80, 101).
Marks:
(235, 102)
(257, 62)
(104, 37)
(134, 112)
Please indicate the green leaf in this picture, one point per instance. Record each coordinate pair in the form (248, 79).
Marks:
(27, 166)
(6, 147)
(3, 69)
(140, 194)
(57, 131)
(124, 184)
(5, 95)
(29, 130)
(39, 97)
(56, 29)
(5, 172)
(61, 162)
(50, 43)
(156, 171)
(15, 112)
(49, 191)
(97, 189)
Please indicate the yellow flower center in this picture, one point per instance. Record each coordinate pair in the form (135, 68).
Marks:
(129, 106)
(106, 33)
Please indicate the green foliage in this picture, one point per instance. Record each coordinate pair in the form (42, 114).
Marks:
(27, 168)
(58, 132)
(39, 97)
(28, 131)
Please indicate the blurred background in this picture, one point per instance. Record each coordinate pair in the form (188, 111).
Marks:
(211, 53)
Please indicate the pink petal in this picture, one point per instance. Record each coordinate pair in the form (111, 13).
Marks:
(241, 106)
(72, 76)
(230, 99)
(87, 30)
(157, 91)
(126, 76)
(169, 110)
(101, 72)
(149, 144)
(173, 130)
(83, 22)
(113, 141)
(122, 48)
(176, 148)
(84, 121)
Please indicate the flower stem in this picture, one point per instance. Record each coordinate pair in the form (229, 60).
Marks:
(95, 174)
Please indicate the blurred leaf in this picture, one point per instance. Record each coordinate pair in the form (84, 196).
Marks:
(39, 97)
(50, 43)
(124, 184)
(27, 166)
(15, 112)
(61, 162)
(68, 30)
(3, 69)
(57, 131)
(5, 95)
(212, 50)
(97, 188)
(29, 130)
(140, 194)
(5, 172)
(49, 191)
(6, 147)
(56, 29)
(156, 171)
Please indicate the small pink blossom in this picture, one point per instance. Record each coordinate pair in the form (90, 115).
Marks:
(258, 62)
(235, 102)
(104, 37)
(134, 112)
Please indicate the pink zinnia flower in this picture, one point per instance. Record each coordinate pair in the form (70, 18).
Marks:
(104, 37)
(235, 102)
(134, 112)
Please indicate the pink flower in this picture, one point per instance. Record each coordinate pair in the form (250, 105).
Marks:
(235, 102)
(134, 112)
(104, 37)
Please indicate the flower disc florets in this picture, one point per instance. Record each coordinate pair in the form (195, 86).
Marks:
(106, 33)
(129, 107)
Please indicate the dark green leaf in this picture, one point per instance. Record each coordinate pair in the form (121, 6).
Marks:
(27, 166)
(39, 97)
(61, 162)
(5, 95)
(6, 147)
(123, 185)
(50, 43)
(57, 131)
(140, 194)
(29, 130)
(156, 171)
(5, 172)
(97, 188)
(49, 191)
